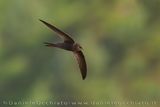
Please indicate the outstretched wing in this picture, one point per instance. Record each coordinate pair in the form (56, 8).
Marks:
(82, 63)
(63, 35)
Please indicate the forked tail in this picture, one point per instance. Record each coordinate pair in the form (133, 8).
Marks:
(50, 44)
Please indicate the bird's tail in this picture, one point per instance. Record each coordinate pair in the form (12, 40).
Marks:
(50, 44)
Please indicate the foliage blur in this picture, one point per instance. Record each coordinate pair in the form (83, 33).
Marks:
(120, 38)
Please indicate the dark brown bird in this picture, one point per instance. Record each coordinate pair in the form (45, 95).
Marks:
(70, 45)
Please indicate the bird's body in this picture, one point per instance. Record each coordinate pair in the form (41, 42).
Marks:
(69, 45)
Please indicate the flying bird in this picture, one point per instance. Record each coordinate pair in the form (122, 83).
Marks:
(70, 45)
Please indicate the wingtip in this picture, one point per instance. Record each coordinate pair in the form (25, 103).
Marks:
(41, 20)
(84, 77)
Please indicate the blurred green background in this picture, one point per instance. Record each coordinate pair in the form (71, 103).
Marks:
(121, 41)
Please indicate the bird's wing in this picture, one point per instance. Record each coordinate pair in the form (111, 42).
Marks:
(82, 63)
(63, 35)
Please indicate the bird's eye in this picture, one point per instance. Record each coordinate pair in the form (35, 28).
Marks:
(81, 47)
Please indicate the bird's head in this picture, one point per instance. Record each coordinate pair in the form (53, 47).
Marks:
(77, 47)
